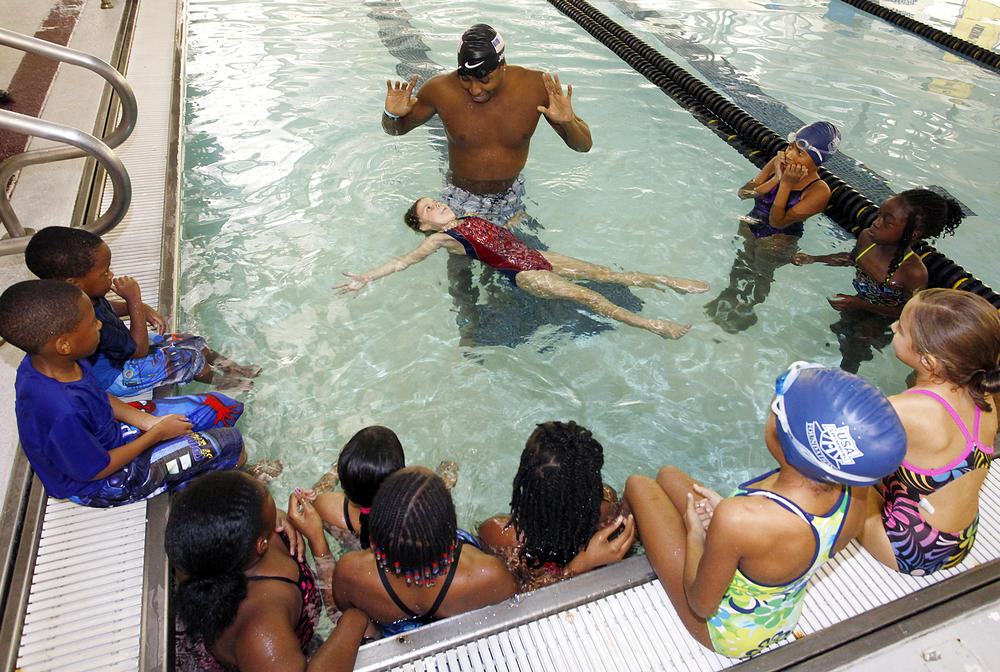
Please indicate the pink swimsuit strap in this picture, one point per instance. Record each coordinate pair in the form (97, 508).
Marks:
(971, 439)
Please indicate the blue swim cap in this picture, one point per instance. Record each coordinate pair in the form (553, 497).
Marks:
(819, 139)
(835, 426)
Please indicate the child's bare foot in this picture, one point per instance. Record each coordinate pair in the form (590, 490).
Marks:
(228, 384)
(237, 370)
(668, 329)
(448, 471)
(683, 285)
(264, 471)
(327, 481)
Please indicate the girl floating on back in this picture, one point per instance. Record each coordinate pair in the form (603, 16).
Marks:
(543, 274)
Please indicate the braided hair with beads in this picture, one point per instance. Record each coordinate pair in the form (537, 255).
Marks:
(556, 503)
(413, 527)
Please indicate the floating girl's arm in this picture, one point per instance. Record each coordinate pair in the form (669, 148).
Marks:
(424, 250)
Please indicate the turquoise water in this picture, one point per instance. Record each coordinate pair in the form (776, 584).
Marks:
(289, 180)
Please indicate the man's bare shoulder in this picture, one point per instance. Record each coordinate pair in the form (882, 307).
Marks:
(443, 85)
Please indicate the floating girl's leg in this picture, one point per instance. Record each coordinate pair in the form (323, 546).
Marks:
(577, 269)
(548, 285)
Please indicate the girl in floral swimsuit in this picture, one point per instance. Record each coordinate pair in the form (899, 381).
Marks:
(887, 271)
(544, 274)
(923, 517)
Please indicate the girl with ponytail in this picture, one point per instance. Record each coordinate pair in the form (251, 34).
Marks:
(923, 517)
(243, 601)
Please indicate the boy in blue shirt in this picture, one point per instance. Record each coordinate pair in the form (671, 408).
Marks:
(84, 444)
(129, 360)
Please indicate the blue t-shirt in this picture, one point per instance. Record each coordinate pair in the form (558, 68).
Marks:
(116, 346)
(66, 429)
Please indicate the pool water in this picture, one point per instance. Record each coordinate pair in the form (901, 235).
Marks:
(289, 181)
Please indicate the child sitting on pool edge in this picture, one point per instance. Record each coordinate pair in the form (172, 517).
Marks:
(715, 557)
(129, 360)
(83, 443)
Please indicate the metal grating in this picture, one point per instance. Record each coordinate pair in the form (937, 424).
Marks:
(86, 597)
(637, 628)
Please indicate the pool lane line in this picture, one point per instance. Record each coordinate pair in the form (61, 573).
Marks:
(973, 52)
(851, 209)
(29, 87)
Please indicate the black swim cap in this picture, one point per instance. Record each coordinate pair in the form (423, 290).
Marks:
(480, 51)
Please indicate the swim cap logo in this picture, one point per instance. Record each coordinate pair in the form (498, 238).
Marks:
(831, 443)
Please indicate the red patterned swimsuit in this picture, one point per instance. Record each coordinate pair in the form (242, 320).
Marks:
(497, 247)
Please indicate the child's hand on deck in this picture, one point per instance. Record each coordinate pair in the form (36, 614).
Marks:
(127, 288)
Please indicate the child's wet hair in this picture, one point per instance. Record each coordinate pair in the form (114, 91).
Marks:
(962, 332)
(61, 252)
(413, 521)
(34, 311)
(556, 502)
(213, 527)
(929, 215)
(365, 461)
(411, 218)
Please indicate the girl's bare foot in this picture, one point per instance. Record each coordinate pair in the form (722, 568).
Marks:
(327, 481)
(228, 384)
(264, 471)
(233, 369)
(448, 471)
(683, 285)
(668, 329)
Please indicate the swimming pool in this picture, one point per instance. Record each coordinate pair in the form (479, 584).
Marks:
(289, 180)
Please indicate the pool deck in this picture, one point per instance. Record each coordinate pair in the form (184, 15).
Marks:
(960, 636)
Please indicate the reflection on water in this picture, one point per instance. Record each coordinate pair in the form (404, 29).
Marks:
(289, 181)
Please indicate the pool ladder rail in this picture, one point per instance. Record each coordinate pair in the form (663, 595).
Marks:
(79, 143)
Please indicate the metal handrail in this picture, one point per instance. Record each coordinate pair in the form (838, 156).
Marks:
(83, 144)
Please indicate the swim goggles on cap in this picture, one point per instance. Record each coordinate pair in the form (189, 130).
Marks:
(805, 147)
(784, 383)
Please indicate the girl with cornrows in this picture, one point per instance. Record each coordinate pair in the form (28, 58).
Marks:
(244, 601)
(887, 270)
(420, 567)
(563, 519)
(923, 517)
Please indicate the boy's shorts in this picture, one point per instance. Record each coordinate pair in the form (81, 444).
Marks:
(172, 358)
(212, 444)
(168, 465)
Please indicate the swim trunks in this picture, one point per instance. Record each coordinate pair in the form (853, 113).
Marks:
(497, 208)
(213, 443)
(759, 218)
(753, 616)
(920, 548)
(497, 247)
(172, 358)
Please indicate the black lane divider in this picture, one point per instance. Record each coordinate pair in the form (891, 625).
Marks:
(851, 209)
(957, 45)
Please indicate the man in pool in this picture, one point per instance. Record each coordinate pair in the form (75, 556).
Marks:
(489, 110)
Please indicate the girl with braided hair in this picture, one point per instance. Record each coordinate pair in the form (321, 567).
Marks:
(884, 250)
(245, 601)
(563, 519)
(420, 567)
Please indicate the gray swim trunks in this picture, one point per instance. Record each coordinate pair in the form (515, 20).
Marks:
(497, 208)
